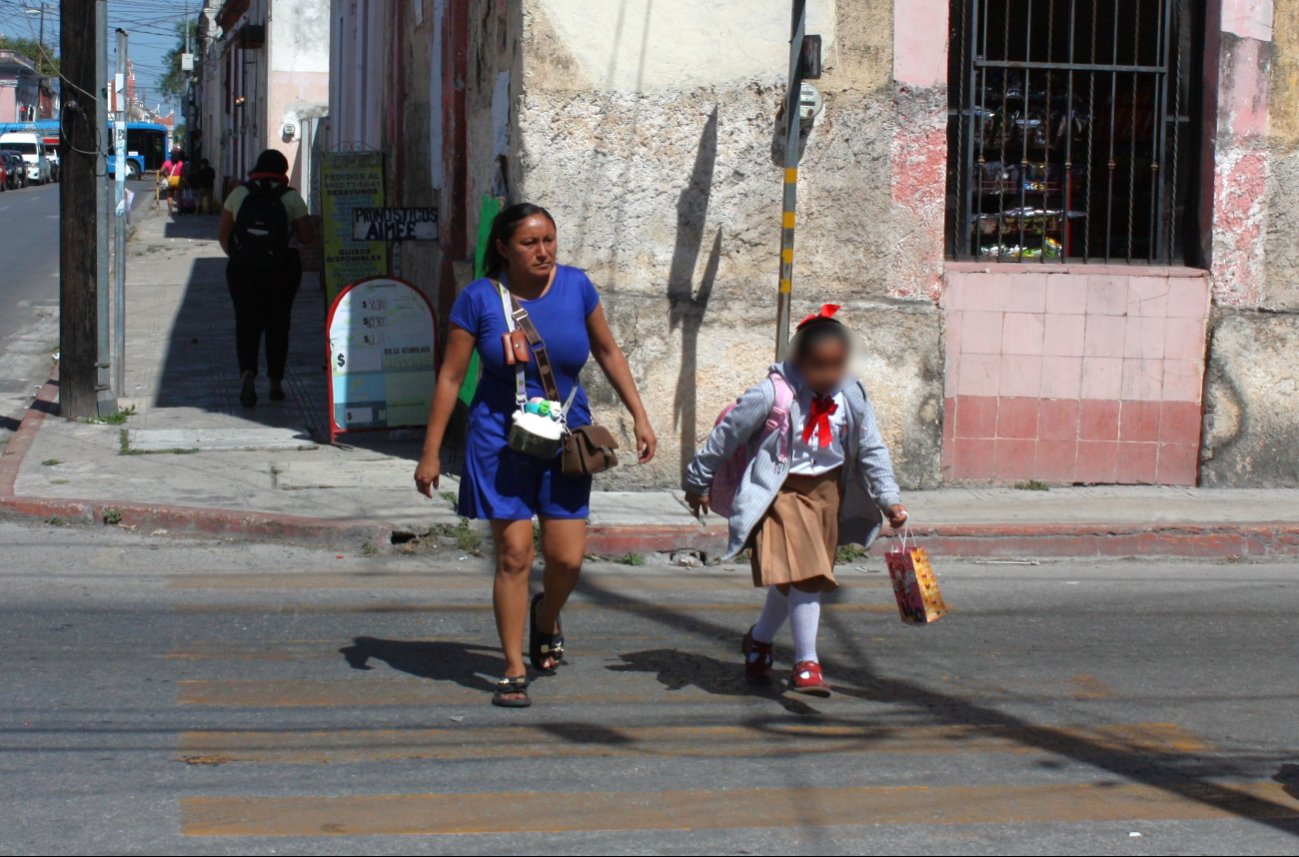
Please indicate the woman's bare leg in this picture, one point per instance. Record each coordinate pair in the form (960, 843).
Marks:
(514, 556)
(563, 546)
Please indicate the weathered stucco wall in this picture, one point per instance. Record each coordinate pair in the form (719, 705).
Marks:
(652, 146)
(1251, 429)
(298, 81)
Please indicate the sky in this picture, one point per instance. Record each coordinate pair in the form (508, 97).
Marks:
(150, 23)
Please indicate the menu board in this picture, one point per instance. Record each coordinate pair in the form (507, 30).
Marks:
(350, 180)
(382, 366)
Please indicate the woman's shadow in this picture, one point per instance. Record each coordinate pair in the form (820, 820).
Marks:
(439, 660)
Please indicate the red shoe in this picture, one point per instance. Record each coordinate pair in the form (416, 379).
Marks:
(758, 658)
(807, 678)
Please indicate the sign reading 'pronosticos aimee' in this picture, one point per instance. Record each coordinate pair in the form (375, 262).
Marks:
(382, 364)
(395, 224)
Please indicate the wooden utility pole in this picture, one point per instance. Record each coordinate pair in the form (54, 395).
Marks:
(81, 167)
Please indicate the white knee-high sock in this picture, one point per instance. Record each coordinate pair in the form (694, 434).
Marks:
(804, 619)
(774, 613)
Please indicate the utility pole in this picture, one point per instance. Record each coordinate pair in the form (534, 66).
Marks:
(81, 374)
(119, 221)
(788, 217)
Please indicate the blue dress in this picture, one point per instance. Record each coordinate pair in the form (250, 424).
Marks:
(499, 483)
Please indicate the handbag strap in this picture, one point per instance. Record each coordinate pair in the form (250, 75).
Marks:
(517, 317)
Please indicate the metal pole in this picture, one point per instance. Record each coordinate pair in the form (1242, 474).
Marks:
(104, 376)
(793, 123)
(119, 222)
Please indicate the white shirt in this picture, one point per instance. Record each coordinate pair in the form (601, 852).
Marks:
(812, 459)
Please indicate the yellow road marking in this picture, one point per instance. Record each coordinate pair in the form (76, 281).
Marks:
(552, 812)
(557, 741)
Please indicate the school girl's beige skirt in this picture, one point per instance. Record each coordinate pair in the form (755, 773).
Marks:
(799, 537)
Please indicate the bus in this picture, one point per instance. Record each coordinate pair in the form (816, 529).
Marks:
(147, 143)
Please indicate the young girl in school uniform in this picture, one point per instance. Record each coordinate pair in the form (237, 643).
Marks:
(804, 490)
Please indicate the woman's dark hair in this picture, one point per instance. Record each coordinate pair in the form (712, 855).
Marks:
(271, 161)
(815, 331)
(503, 228)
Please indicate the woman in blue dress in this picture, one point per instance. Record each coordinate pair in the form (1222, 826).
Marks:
(510, 488)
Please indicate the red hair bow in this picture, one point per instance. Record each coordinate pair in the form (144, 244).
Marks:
(826, 311)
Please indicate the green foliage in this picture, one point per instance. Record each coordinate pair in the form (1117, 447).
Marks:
(463, 534)
(51, 462)
(112, 517)
(118, 417)
(1032, 485)
(850, 553)
(47, 61)
(174, 81)
(632, 559)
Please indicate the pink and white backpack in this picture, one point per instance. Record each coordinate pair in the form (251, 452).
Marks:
(721, 498)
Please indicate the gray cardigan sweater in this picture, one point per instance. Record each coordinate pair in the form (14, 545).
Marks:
(867, 472)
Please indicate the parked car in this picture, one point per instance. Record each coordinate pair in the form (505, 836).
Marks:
(16, 167)
(4, 176)
(31, 147)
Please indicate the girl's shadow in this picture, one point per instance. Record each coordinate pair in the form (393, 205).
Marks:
(466, 665)
(675, 670)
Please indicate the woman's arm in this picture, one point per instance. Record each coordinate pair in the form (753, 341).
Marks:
(226, 229)
(614, 363)
(455, 362)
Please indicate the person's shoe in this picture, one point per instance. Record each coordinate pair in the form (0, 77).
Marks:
(807, 678)
(248, 392)
(277, 391)
(758, 658)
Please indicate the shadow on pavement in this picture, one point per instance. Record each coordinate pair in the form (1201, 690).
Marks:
(676, 669)
(1192, 777)
(465, 664)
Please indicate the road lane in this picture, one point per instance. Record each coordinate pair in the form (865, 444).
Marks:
(29, 294)
(166, 696)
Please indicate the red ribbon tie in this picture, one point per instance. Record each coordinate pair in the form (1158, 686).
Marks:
(818, 420)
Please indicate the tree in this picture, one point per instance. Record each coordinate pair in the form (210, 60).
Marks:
(174, 82)
(47, 61)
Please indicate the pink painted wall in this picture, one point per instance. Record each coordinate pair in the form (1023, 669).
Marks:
(1073, 374)
(920, 42)
(8, 104)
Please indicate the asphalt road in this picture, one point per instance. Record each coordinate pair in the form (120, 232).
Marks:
(29, 294)
(165, 696)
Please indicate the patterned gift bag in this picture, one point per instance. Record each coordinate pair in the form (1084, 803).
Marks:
(914, 584)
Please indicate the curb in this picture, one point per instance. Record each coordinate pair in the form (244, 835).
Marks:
(969, 541)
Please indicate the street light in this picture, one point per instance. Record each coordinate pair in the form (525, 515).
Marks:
(41, 40)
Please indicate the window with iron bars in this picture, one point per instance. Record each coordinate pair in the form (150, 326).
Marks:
(1073, 130)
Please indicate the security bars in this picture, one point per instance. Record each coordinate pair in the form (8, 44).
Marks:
(1072, 130)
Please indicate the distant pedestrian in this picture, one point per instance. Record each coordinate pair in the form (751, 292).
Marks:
(260, 219)
(204, 182)
(508, 481)
(807, 442)
(172, 179)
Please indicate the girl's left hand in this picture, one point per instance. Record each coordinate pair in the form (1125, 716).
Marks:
(646, 442)
(897, 516)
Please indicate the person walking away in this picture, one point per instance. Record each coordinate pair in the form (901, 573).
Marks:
(509, 487)
(814, 450)
(205, 181)
(172, 176)
(259, 221)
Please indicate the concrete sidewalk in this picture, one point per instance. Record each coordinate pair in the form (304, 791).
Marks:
(191, 459)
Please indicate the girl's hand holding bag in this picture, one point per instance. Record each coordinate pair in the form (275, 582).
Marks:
(585, 450)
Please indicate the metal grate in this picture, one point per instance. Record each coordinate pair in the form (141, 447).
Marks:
(1072, 130)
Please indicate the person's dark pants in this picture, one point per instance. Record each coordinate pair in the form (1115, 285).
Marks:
(263, 299)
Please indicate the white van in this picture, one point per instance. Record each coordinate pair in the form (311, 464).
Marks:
(31, 146)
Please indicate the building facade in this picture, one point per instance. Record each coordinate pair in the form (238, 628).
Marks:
(1064, 229)
(261, 81)
(22, 92)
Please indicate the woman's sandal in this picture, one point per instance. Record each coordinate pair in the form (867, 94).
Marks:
(544, 647)
(512, 692)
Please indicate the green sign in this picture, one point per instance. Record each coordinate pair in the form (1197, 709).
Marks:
(348, 181)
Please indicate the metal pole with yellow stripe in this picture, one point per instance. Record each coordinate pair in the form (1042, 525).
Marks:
(788, 216)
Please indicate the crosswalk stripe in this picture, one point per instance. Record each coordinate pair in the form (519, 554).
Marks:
(566, 740)
(555, 812)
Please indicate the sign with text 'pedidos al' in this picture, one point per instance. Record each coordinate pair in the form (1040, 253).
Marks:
(395, 224)
(350, 180)
(382, 365)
